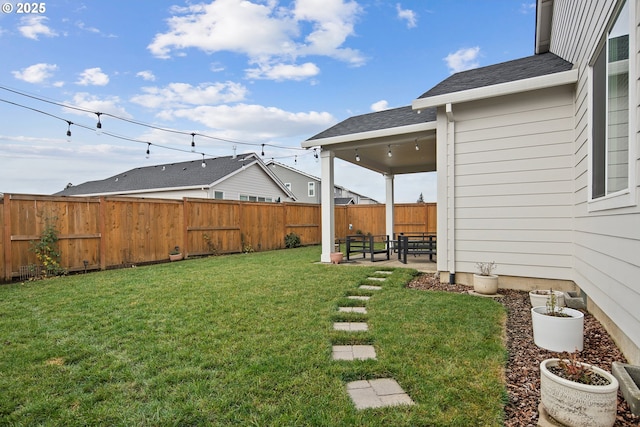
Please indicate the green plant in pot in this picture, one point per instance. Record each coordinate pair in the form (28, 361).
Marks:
(557, 328)
(175, 254)
(485, 283)
(576, 393)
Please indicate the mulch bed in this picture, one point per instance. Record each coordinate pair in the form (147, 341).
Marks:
(522, 372)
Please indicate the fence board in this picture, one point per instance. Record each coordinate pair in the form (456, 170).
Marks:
(110, 232)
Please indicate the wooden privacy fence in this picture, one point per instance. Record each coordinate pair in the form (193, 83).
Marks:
(110, 232)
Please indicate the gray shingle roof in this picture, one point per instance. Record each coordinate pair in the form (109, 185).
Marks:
(171, 175)
(518, 69)
(395, 117)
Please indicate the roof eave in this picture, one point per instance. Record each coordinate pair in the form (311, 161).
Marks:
(535, 83)
(380, 133)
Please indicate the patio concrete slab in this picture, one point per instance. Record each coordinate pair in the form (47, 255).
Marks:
(362, 310)
(370, 287)
(354, 352)
(350, 326)
(359, 297)
(377, 393)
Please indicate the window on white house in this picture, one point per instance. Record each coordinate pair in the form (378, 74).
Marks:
(610, 125)
(218, 195)
(288, 185)
(311, 189)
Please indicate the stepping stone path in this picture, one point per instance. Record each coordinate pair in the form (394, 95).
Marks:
(350, 326)
(353, 352)
(375, 393)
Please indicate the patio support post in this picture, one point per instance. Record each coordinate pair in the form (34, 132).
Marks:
(327, 205)
(389, 205)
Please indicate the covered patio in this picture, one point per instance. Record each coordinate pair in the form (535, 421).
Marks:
(391, 142)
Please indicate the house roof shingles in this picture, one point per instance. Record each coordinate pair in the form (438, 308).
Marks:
(171, 175)
(386, 119)
(510, 71)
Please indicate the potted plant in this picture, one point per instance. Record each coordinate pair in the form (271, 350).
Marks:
(485, 283)
(175, 254)
(576, 393)
(557, 328)
(541, 297)
(336, 257)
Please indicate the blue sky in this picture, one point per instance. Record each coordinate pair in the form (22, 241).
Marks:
(246, 72)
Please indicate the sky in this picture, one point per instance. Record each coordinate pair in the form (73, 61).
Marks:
(236, 73)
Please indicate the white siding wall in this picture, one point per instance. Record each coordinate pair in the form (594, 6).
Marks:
(606, 242)
(252, 181)
(514, 184)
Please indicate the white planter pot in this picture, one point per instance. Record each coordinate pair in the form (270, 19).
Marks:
(575, 404)
(486, 285)
(558, 333)
(538, 299)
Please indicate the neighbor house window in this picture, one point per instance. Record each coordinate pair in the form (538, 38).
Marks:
(610, 125)
(312, 189)
(288, 185)
(218, 195)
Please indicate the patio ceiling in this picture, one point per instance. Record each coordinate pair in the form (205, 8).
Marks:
(373, 148)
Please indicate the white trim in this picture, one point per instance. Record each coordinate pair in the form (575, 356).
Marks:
(509, 88)
(359, 136)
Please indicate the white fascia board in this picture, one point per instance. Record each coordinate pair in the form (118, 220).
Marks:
(381, 133)
(509, 88)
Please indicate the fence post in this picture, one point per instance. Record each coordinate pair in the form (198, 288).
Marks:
(101, 229)
(185, 228)
(7, 237)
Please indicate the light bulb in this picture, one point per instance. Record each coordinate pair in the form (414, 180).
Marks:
(204, 164)
(99, 125)
(389, 152)
(148, 150)
(193, 142)
(417, 147)
(357, 156)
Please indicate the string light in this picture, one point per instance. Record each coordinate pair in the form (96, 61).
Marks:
(148, 150)
(204, 164)
(69, 130)
(99, 125)
(357, 156)
(417, 147)
(389, 152)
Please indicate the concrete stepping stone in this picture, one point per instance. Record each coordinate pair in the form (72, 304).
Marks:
(354, 352)
(359, 297)
(350, 326)
(384, 272)
(362, 310)
(377, 393)
(377, 279)
(370, 287)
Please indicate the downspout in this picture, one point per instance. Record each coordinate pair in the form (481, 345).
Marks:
(451, 182)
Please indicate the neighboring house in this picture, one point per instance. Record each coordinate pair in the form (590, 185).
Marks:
(243, 177)
(306, 187)
(537, 159)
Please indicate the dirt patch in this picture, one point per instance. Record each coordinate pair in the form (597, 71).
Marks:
(522, 372)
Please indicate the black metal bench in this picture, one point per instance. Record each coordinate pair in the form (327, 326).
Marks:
(422, 244)
(361, 244)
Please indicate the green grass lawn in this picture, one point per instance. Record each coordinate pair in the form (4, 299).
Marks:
(241, 340)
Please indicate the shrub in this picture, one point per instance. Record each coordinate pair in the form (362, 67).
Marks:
(292, 240)
(46, 250)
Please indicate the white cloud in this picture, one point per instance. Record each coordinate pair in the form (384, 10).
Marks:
(463, 59)
(93, 77)
(34, 26)
(527, 8)
(176, 95)
(147, 75)
(284, 71)
(408, 15)
(110, 105)
(263, 31)
(37, 73)
(255, 121)
(380, 105)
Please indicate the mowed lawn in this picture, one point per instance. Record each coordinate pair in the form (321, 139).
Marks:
(242, 340)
